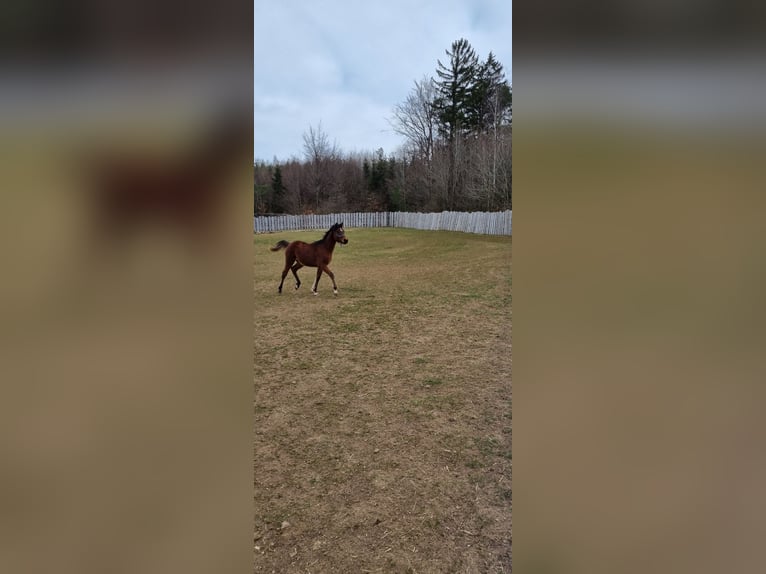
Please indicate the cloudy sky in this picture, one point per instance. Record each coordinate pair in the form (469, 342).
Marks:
(347, 64)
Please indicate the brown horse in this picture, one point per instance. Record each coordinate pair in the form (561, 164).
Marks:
(317, 254)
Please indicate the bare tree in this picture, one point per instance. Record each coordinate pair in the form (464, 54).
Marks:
(319, 154)
(316, 145)
(415, 118)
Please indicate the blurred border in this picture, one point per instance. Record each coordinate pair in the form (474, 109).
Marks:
(638, 138)
(126, 361)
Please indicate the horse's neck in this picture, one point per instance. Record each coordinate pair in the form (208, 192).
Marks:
(330, 244)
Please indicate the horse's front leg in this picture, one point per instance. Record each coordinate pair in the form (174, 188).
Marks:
(316, 281)
(332, 277)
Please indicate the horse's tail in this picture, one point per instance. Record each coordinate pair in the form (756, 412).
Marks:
(280, 245)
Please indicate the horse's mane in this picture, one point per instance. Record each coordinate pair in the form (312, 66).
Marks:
(326, 233)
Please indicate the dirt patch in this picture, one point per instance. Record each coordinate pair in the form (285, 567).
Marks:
(383, 415)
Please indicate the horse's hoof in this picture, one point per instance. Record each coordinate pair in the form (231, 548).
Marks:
(315, 292)
(335, 292)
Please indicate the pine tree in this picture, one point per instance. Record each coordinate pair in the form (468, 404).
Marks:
(487, 97)
(453, 104)
(455, 89)
(278, 191)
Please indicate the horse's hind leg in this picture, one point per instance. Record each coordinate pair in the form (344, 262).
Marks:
(316, 281)
(284, 274)
(288, 263)
(294, 269)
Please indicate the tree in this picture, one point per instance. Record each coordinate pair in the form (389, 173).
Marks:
(319, 153)
(316, 145)
(455, 96)
(455, 88)
(278, 191)
(489, 108)
(415, 118)
(489, 96)
(261, 176)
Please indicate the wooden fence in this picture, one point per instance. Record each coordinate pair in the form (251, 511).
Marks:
(487, 223)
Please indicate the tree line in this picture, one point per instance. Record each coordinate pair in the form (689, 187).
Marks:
(456, 153)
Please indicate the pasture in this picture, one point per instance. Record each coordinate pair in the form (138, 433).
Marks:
(382, 436)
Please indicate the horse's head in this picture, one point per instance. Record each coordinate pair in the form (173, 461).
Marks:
(339, 234)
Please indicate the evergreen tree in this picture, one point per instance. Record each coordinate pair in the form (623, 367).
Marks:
(487, 97)
(278, 191)
(455, 89)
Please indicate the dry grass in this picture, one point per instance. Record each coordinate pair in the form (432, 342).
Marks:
(383, 415)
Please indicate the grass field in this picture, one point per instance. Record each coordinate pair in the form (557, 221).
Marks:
(383, 415)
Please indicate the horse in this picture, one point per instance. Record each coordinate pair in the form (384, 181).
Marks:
(318, 254)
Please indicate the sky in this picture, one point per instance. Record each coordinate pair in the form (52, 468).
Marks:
(347, 64)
